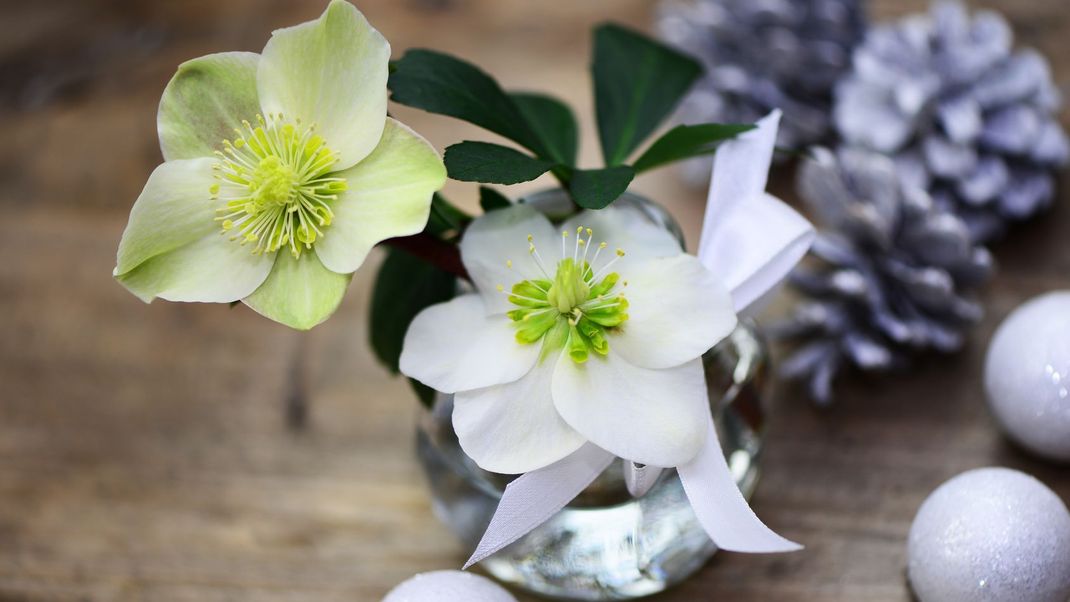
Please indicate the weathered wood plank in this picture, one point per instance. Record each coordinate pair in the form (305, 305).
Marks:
(144, 451)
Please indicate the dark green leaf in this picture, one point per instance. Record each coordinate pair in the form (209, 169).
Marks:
(553, 122)
(404, 286)
(637, 82)
(446, 85)
(597, 188)
(424, 393)
(685, 141)
(445, 220)
(492, 163)
(490, 199)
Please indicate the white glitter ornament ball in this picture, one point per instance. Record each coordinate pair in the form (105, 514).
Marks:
(991, 535)
(448, 586)
(1027, 375)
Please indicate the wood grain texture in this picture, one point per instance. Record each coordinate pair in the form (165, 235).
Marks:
(145, 453)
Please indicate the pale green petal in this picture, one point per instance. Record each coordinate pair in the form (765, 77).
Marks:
(174, 209)
(389, 194)
(205, 101)
(299, 293)
(212, 269)
(330, 72)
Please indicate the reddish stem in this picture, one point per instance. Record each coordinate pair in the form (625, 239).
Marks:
(432, 250)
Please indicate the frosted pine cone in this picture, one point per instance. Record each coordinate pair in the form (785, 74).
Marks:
(964, 115)
(890, 275)
(765, 54)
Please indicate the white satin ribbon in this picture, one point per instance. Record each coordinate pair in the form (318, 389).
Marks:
(720, 507)
(534, 497)
(751, 239)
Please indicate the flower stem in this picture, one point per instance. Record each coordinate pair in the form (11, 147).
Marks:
(297, 398)
(443, 255)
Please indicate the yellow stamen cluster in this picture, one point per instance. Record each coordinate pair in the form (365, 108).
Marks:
(573, 309)
(276, 183)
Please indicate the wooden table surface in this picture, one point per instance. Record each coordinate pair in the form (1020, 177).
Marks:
(146, 452)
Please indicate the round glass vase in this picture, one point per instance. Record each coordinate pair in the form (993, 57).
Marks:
(606, 545)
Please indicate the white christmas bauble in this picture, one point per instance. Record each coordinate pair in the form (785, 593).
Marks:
(448, 586)
(1027, 375)
(991, 535)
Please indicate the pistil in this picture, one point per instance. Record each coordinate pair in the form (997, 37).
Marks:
(575, 307)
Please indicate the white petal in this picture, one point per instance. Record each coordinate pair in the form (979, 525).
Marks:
(514, 428)
(622, 227)
(501, 236)
(647, 416)
(677, 310)
(331, 72)
(388, 195)
(455, 346)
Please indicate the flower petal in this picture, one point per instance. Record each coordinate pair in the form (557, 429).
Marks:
(514, 427)
(499, 237)
(212, 269)
(677, 310)
(205, 102)
(389, 194)
(455, 346)
(624, 227)
(299, 292)
(647, 416)
(173, 210)
(330, 72)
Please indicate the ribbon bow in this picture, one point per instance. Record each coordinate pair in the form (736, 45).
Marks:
(751, 240)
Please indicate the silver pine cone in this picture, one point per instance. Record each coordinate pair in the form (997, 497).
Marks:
(765, 54)
(890, 273)
(963, 114)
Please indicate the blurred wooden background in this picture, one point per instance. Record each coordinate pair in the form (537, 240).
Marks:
(145, 453)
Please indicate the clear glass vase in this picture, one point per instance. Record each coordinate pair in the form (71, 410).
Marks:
(606, 544)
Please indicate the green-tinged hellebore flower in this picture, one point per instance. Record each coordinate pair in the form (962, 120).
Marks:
(281, 171)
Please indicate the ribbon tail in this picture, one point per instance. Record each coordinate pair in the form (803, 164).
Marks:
(720, 507)
(534, 497)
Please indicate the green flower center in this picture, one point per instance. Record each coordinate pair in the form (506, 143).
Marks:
(276, 183)
(574, 308)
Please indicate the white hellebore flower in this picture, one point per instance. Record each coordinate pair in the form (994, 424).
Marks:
(648, 395)
(590, 332)
(282, 170)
